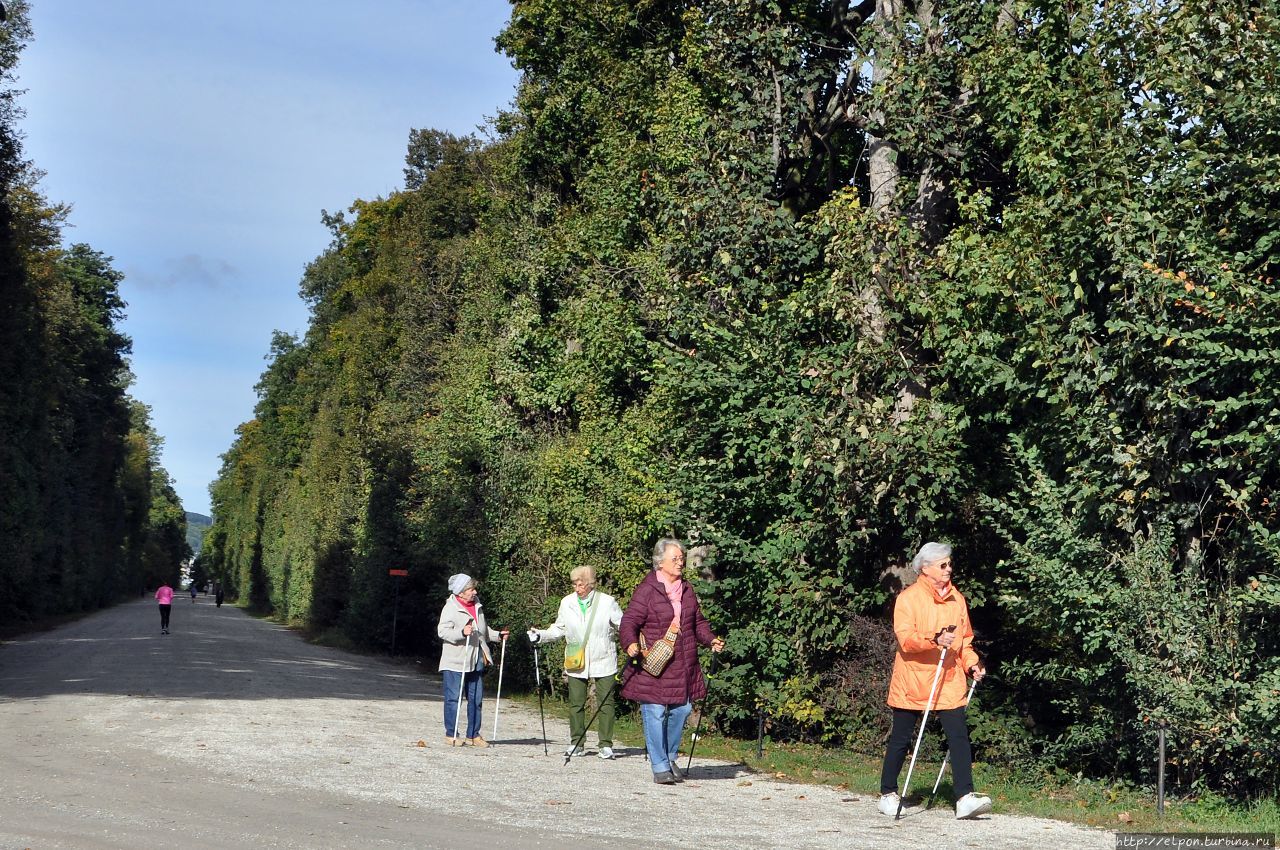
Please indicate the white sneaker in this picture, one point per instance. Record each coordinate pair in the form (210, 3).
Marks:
(605, 752)
(971, 805)
(574, 752)
(888, 804)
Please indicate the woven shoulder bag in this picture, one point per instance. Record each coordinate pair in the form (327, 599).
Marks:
(659, 655)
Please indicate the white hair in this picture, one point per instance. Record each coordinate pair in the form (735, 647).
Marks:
(660, 549)
(930, 553)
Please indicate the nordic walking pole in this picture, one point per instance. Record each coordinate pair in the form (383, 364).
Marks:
(462, 689)
(938, 781)
(497, 700)
(537, 676)
(599, 705)
(715, 657)
(933, 690)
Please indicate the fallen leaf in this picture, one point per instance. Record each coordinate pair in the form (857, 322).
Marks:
(800, 797)
(779, 775)
(1124, 817)
(421, 743)
(850, 799)
(744, 783)
(559, 803)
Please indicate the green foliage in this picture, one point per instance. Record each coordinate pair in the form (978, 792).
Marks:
(197, 525)
(89, 516)
(808, 284)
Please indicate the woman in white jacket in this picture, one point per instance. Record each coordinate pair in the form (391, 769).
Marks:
(463, 656)
(588, 620)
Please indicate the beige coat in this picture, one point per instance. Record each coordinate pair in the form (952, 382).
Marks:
(460, 654)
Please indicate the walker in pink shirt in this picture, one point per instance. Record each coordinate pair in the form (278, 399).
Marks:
(165, 595)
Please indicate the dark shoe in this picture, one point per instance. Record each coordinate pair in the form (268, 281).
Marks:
(677, 772)
(665, 778)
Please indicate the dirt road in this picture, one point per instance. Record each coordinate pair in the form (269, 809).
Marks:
(233, 732)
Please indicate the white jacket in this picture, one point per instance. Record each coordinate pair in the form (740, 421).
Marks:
(458, 650)
(571, 624)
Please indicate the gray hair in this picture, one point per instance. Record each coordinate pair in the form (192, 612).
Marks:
(929, 553)
(582, 573)
(660, 549)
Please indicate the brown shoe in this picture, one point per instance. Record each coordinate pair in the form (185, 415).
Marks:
(452, 742)
(477, 741)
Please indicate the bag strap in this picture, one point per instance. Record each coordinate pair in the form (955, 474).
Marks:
(591, 618)
(673, 632)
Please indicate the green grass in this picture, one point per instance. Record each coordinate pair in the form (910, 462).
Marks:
(1085, 802)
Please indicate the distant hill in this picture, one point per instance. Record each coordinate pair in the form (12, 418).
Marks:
(197, 525)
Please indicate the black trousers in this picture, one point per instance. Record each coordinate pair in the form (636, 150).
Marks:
(901, 738)
(164, 616)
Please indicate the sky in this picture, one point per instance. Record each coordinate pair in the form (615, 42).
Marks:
(197, 144)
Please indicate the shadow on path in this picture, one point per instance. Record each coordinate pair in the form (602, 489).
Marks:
(211, 652)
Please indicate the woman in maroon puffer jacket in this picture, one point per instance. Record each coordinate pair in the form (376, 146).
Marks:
(663, 598)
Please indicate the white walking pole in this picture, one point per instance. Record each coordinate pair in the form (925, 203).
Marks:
(947, 756)
(497, 700)
(933, 689)
(462, 689)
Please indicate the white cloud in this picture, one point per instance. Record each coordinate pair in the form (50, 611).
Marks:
(187, 270)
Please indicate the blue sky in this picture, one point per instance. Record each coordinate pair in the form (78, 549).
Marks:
(197, 143)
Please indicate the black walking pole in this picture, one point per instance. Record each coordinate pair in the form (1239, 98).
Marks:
(666, 739)
(715, 657)
(578, 743)
(537, 675)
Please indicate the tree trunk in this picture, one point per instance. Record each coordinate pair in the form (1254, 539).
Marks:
(882, 162)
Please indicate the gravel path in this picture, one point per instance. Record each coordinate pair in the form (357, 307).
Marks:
(233, 732)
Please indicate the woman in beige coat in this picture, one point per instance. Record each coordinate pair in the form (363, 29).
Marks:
(463, 657)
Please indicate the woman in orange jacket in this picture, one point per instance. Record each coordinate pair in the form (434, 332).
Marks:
(931, 615)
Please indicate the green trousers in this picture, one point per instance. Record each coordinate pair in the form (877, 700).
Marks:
(606, 688)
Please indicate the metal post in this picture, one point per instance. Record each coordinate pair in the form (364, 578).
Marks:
(1160, 777)
(395, 613)
(759, 731)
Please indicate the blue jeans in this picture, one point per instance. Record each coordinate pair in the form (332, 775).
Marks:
(475, 696)
(663, 726)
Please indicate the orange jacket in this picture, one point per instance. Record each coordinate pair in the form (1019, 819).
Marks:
(918, 615)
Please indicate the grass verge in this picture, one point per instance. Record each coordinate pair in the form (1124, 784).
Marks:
(1085, 802)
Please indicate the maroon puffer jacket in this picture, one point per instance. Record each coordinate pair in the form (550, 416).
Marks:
(650, 611)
